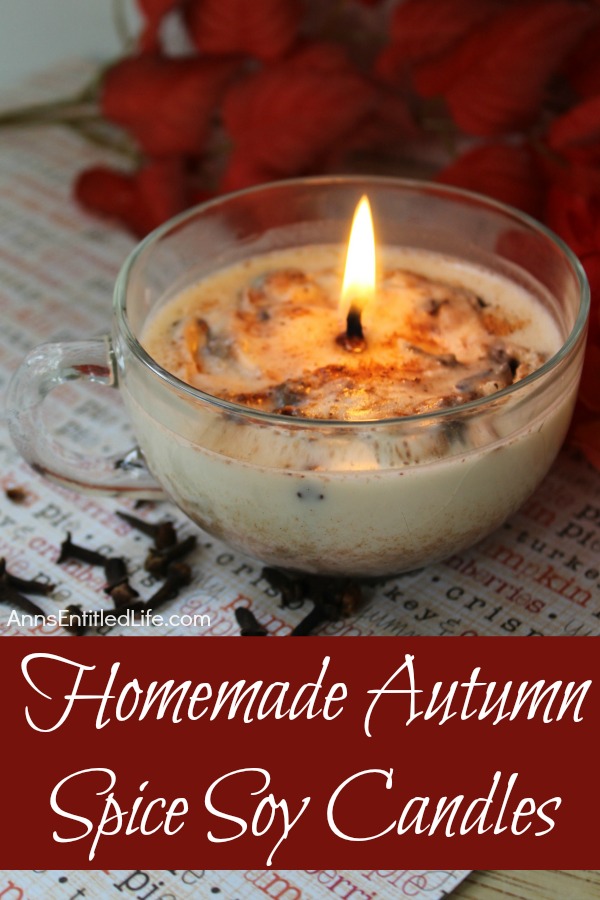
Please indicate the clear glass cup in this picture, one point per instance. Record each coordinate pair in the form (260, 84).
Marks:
(337, 498)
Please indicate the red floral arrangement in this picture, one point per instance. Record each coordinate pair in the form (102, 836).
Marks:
(498, 96)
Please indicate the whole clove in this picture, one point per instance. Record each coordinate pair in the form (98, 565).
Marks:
(249, 624)
(179, 574)
(157, 563)
(23, 584)
(337, 596)
(69, 550)
(163, 533)
(123, 595)
(115, 571)
(42, 588)
(77, 627)
(332, 598)
(290, 588)
(315, 617)
(12, 597)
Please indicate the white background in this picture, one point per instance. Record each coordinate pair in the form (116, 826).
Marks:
(36, 33)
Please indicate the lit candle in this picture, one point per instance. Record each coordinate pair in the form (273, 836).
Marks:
(297, 448)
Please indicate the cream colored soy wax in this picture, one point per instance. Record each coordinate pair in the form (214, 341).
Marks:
(357, 498)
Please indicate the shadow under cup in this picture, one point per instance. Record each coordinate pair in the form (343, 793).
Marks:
(346, 498)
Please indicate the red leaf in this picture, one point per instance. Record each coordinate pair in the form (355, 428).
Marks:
(160, 191)
(576, 134)
(507, 173)
(587, 81)
(284, 118)
(420, 29)
(165, 103)
(575, 218)
(583, 66)
(495, 79)
(262, 28)
(242, 172)
(383, 133)
(154, 12)
(105, 191)
(570, 175)
(141, 200)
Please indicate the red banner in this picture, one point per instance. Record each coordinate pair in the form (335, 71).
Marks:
(159, 752)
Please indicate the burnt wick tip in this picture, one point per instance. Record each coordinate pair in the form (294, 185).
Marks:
(353, 339)
(354, 327)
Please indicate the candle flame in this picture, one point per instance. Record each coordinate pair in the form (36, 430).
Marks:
(358, 286)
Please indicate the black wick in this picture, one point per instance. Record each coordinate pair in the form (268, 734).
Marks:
(354, 329)
(353, 338)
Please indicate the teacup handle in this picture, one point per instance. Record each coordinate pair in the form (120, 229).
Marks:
(45, 368)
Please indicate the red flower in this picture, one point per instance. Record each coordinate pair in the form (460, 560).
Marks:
(165, 103)
(507, 173)
(495, 80)
(154, 12)
(284, 118)
(142, 200)
(262, 28)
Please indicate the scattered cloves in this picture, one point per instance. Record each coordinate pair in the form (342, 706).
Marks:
(115, 571)
(163, 533)
(123, 595)
(249, 624)
(42, 588)
(69, 550)
(76, 622)
(316, 617)
(23, 584)
(157, 563)
(290, 588)
(179, 574)
(12, 597)
(333, 598)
